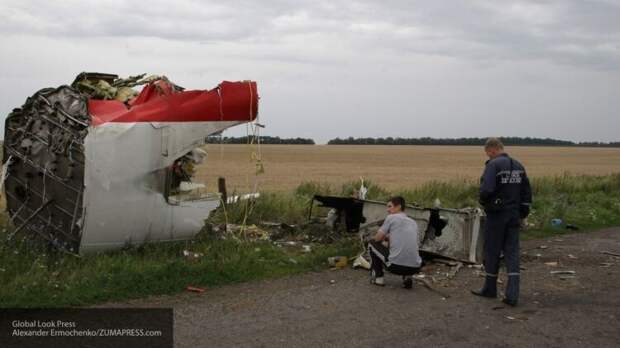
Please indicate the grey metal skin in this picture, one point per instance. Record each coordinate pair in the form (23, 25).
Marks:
(461, 239)
(81, 188)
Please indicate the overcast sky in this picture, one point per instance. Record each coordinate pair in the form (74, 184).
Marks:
(345, 68)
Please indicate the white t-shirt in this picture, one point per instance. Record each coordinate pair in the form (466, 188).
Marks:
(403, 234)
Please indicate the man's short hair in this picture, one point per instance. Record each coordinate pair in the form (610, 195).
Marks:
(398, 200)
(494, 143)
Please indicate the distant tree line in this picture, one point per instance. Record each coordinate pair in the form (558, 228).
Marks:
(528, 141)
(263, 140)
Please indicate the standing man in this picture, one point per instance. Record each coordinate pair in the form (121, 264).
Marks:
(401, 255)
(506, 196)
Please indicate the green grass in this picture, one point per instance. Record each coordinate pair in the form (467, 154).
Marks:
(33, 278)
(588, 202)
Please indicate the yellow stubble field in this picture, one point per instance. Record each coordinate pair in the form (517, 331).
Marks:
(392, 167)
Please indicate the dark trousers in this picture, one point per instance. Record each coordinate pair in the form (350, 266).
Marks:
(379, 255)
(502, 235)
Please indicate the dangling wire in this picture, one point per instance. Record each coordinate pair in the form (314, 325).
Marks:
(253, 138)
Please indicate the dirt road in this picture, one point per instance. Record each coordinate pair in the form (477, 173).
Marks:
(340, 308)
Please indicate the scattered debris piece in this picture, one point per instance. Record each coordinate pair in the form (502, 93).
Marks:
(572, 227)
(566, 277)
(563, 272)
(610, 253)
(332, 282)
(306, 248)
(571, 256)
(192, 256)
(510, 318)
(293, 261)
(361, 262)
(552, 264)
(338, 261)
(606, 264)
(543, 247)
(195, 289)
(454, 270)
(428, 286)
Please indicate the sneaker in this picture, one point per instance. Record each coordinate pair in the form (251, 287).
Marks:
(379, 281)
(407, 282)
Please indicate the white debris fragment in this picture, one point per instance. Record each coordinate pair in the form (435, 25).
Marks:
(361, 262)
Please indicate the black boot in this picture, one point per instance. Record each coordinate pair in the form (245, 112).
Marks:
(512, 290)
(489, 289)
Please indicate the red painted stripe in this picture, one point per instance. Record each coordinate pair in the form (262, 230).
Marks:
(230, 101)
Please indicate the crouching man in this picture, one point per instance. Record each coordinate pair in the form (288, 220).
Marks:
(395, 246)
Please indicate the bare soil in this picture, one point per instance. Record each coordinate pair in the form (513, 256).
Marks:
(340, 308)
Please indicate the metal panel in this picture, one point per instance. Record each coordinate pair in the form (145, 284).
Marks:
(461, 238)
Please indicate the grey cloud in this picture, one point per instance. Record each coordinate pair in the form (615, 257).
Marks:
(340, 68)
(567, 32)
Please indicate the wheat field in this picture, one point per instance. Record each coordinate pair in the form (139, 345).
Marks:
(392, 167)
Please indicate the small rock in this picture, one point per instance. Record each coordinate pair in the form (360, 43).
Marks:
(332, 282)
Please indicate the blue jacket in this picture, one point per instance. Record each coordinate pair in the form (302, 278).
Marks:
(504, 185)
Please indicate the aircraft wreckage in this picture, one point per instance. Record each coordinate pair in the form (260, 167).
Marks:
(451, 233)
(98, 165)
